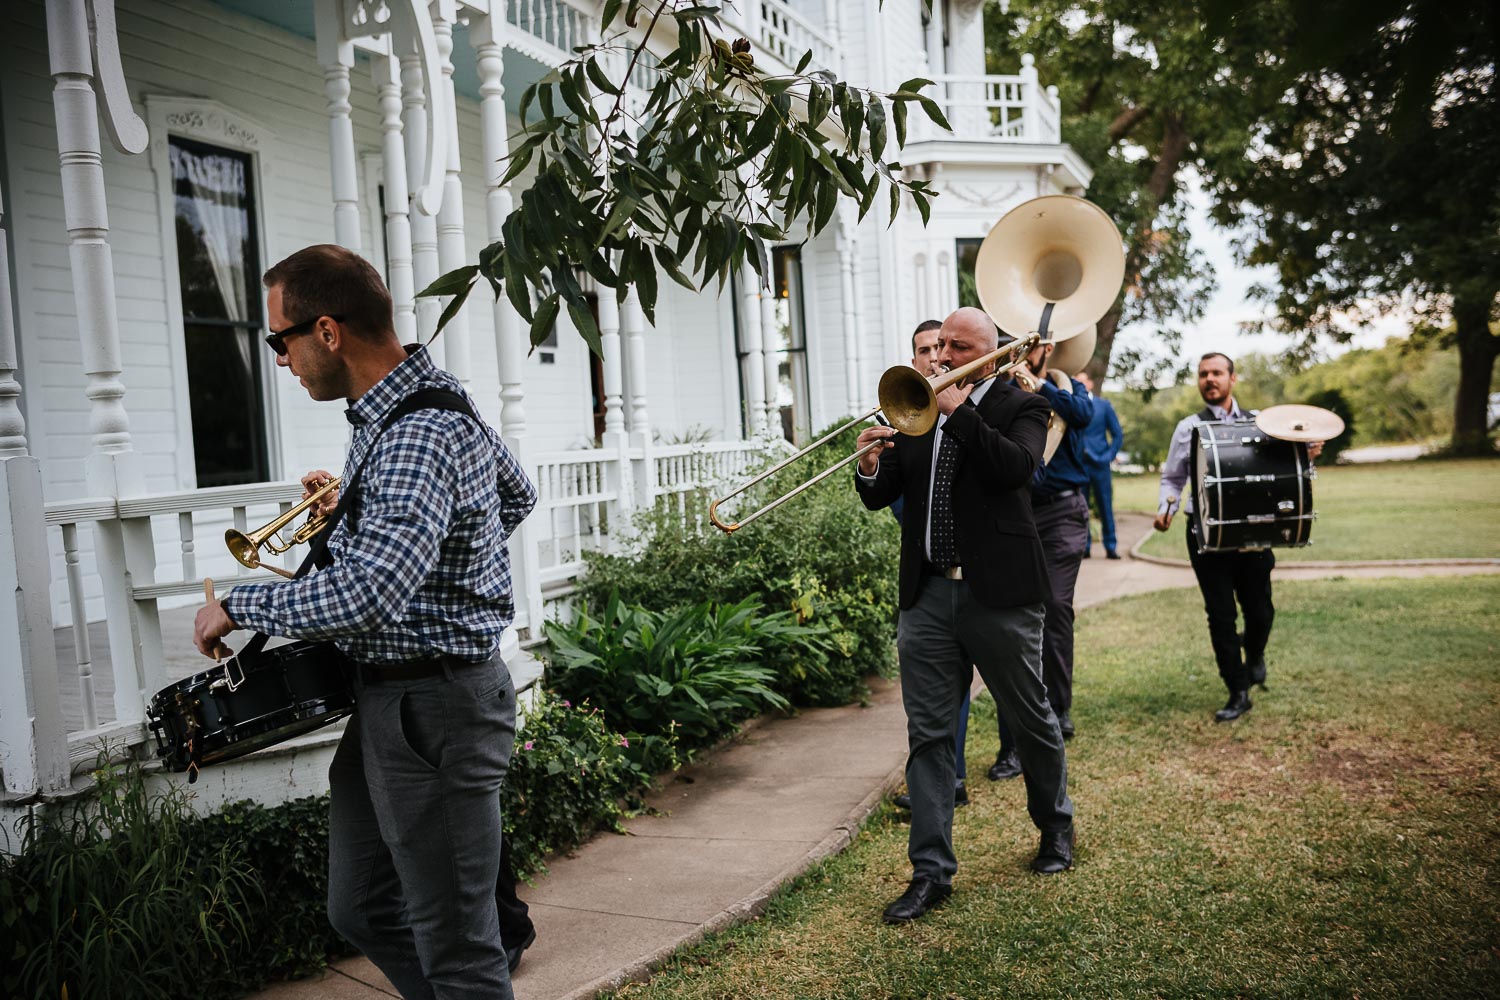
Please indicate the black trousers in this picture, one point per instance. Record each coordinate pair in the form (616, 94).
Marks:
(515, 919)
(1223, 579)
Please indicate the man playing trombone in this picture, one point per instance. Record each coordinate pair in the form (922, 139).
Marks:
(972, 588)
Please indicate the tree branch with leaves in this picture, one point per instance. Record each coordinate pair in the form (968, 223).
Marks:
(718, 161)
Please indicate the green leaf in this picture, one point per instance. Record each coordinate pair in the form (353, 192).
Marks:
(611, 10)
(587, 326)
(915, 84)
(875, 116)
(451, 310)
(600, 80)
(895, 204)
(455, 282)
(898, 116)
(869, 198)
(935, 113)
(546, 317)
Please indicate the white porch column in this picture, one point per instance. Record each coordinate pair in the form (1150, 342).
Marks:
(1031, 94)
(424, 241)
(848, 250)
(33, 738)
(397, 206)
(769, 335)
(336, 55)
(753, 364)
(510, 347)
(633, 322)
(124, 551)
(452, 251)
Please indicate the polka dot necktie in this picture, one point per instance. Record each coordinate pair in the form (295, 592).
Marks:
(944, 549)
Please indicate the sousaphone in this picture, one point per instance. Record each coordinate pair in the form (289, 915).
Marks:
(1052, 266)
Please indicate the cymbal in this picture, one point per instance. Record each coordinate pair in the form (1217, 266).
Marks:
(1296, 422)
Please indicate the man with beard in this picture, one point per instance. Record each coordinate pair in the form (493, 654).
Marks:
(1223, 577)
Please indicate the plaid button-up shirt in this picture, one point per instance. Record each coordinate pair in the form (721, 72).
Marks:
(421, 565)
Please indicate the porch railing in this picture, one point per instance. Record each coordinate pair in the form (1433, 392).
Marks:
(559, 24)
(585, 502)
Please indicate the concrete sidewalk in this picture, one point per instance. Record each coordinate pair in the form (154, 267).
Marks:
(740, 823)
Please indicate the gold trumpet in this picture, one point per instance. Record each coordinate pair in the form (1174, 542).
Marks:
(909, 400)
(246, 547)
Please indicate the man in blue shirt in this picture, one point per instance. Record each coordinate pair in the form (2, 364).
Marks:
(1062, 521)
(1101, 443)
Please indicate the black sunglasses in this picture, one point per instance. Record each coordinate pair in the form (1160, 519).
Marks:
(277, 340)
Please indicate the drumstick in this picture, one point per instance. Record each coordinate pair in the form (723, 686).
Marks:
(209, 598)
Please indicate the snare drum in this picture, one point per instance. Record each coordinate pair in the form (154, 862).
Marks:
(1251, 491)
(249, 703)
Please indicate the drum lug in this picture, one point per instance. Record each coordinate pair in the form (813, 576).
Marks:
(233, 685)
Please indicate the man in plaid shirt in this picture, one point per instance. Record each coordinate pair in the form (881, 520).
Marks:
(417, 596)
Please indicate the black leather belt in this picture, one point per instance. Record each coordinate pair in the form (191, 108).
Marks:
(1046, 498)
(946, 572)
(415, 670)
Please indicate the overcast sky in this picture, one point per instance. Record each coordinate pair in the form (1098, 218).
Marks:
(1219, 329)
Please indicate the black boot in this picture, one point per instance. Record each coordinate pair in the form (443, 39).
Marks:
(1238, 705)
(1007, 765)
(1257, 669)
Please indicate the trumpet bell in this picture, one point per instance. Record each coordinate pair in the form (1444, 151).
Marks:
(244, 548)
(1056, 249)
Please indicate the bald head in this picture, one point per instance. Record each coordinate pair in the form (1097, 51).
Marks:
(975, 324)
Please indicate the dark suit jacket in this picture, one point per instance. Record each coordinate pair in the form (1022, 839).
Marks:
(1002, 441)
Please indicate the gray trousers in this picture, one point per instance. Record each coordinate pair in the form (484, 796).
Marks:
(414, 838)
(941, 639)
(1063, 527)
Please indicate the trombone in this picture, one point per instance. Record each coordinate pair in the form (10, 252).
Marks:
(909, 400)
(246, 547)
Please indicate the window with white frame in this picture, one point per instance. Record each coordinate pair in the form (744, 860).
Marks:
(218, 267)
(787, 341)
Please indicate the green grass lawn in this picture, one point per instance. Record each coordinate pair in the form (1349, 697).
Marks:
(1392, 510)
(1341, 840)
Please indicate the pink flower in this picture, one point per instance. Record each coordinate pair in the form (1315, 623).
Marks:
(624, 741)
(567, 703)
(528, 745)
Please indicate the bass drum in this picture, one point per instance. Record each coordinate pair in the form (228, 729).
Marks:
(1251, 491)
(249, 703)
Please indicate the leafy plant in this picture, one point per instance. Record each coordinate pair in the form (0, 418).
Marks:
(115, 896)
(570, 775)
(696, 667)
(822, 557)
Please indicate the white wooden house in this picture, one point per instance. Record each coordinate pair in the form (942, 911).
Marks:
(157, 155)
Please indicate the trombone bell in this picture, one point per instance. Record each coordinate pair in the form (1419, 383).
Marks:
(246, 546)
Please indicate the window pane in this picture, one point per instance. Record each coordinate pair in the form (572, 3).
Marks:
(214, 235)
(228, 430)
(968, 252)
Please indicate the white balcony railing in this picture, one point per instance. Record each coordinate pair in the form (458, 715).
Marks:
(785, 34)
(560, 25)
(992, 108)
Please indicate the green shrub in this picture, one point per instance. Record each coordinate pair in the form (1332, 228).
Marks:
(117, 896)
(822, 557)
(568, 777)
(695, 668)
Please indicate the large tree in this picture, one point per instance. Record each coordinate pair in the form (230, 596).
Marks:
(1146, 96)
(1372, 184)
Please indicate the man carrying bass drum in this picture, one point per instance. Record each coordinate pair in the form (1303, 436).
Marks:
(1224, 577)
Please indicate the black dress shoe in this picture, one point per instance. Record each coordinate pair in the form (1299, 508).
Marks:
(1088, 554)
(902, 801)
(1065, 723)
(1007, 765)
(1055, 853)
(513, 954)
(1257, 668)
(922, 895)
(1111, 555)
(1238, 705)
(960, 795)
